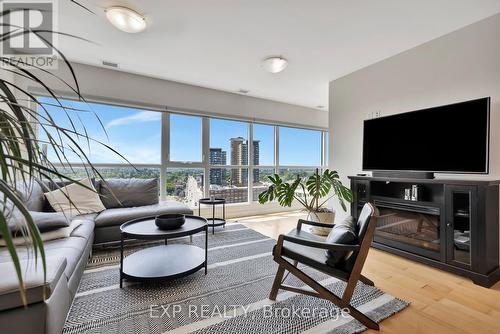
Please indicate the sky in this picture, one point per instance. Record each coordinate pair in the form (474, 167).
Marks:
(136, 134)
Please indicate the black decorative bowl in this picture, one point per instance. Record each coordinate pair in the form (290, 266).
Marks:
(170, 221)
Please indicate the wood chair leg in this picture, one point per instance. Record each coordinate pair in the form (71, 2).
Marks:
(366, 280)
(362, 318)
(277, 282)
(327, 294)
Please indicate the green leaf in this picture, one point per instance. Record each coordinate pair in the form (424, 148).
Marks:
(21, 158)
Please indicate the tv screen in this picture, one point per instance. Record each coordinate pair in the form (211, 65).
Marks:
(449, 139)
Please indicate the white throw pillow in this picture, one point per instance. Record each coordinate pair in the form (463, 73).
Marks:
(83, 200)
(63, 232)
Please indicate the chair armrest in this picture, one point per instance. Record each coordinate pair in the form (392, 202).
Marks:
(308, 222)
(315, 244)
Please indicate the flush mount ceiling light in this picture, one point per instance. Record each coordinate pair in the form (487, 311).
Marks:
(126, 19)
(274, 64)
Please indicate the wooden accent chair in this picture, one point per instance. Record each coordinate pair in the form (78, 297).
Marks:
(306, 248)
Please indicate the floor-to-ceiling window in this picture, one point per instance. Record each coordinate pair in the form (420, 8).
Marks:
(229, 152)
(264, 159)
(132, 134)
(195, 156)
(300, 152)
(184, 172)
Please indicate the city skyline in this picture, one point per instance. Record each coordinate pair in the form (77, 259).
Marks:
(239, 156)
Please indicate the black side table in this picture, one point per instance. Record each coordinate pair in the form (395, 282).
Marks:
(213, 222)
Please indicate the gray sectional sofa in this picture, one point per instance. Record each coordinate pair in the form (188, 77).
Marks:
(50, 301)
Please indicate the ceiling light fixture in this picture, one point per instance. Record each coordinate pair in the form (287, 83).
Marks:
(126, 19)
(274, 64)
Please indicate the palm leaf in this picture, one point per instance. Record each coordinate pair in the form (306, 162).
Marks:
(21, 159)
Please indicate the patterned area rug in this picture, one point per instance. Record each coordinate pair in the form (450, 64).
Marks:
(231, 298)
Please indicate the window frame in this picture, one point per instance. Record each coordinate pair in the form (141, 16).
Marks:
(166, 163)
(168, 122)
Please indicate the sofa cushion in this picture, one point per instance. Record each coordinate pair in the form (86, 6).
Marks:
(343, 232)
(86, 228)
(45, 221)
(59, 233)
(75, 198)
(36, 288)
(117, 193)
(72, 248)
(31, 193)
(118, 216)
(53, 184)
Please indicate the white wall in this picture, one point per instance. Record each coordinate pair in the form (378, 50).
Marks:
(108, 85)
(462, 65)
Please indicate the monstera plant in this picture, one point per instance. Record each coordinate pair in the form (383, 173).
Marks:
(313, 193)
(22, 153)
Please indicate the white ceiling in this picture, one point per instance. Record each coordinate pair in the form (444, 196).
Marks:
(220, 43)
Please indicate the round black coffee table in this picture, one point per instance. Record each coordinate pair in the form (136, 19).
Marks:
(163, 262)
(213, 222)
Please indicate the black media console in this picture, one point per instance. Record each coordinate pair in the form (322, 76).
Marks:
(453, 226)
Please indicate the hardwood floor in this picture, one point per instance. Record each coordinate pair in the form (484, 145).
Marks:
(440, 302)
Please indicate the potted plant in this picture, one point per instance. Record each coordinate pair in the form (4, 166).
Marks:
(314, 193)
(23, 158)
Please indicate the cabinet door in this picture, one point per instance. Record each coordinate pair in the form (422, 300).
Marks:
(361, 195)
(461, 218)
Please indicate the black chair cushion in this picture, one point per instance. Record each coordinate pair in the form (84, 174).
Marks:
(310, 256)
(344, 233)
(363, 220)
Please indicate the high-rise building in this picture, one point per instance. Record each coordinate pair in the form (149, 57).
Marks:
(256, 171)
(239, 156)
(217, 175)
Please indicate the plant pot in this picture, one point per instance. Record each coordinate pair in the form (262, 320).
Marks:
(326, 217)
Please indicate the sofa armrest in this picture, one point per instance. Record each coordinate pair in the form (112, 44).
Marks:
(36, 289)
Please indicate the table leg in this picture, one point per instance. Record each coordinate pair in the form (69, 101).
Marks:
(206, 250)
(213, 218)
(166, 241)
(191, 239)
(121, 260)
(224, 214)
(199, 209)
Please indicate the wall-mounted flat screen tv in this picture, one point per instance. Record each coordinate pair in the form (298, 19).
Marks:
(448, 139)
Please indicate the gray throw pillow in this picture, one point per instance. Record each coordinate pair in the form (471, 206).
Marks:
(343, 232)
(129, 192)
(45, 221)
(31, 193)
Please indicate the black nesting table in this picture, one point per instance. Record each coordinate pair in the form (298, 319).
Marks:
(213, 222)
(163, 262)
